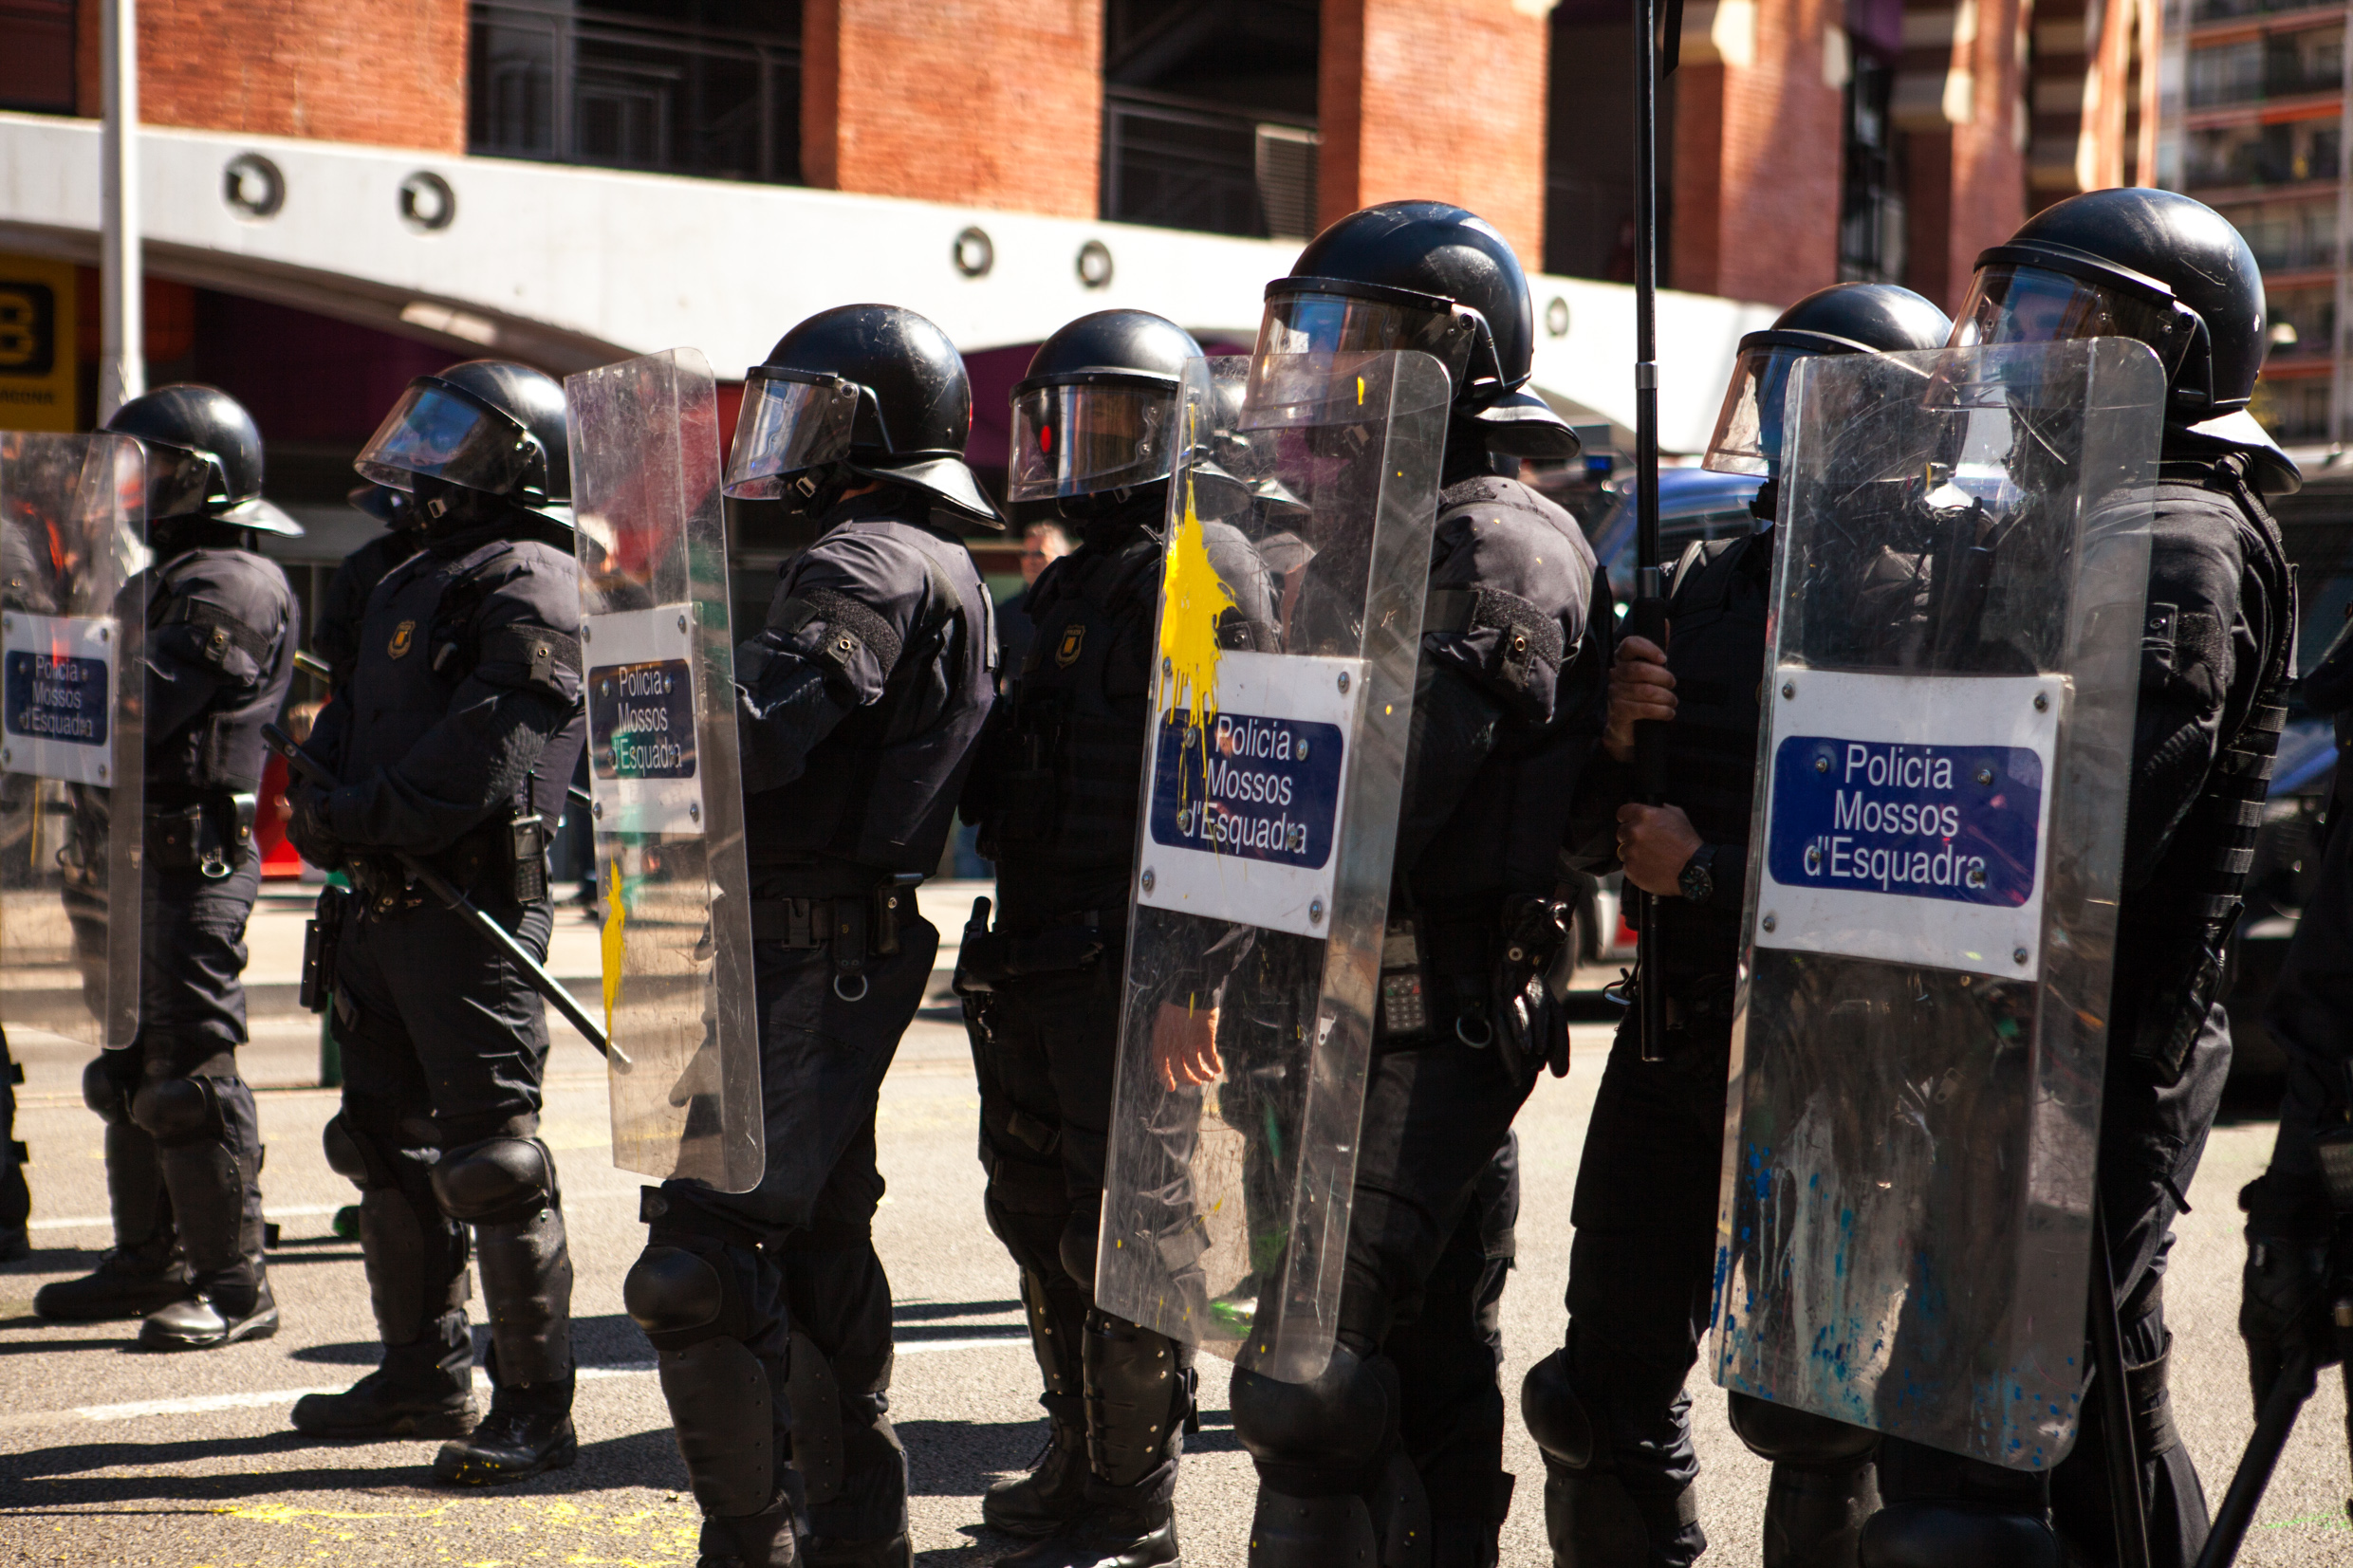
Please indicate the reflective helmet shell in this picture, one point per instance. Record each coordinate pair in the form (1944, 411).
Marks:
(203, 421)
(2161, 247)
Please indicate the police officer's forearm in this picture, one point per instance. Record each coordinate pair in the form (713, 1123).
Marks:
(780, 720)
(458, 773)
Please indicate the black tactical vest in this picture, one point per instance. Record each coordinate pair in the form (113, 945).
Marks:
(879, 793)
(229, 614)
(1716, 613)
(422, 636)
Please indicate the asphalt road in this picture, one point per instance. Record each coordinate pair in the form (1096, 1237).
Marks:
(110, 1456)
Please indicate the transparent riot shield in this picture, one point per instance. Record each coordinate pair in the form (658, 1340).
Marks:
(1904, 1233)
(666, 793)
(1291, 623)
(73, 618)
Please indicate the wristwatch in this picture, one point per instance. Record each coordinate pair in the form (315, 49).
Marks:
(1697, 881)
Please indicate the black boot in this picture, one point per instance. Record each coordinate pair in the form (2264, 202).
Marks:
(1107, 1538)
(1054, 1491)
(892, 1553)
(220, 1224)
(529, 1430)
(143, 1272)
(765, 1540)
(422, 1390)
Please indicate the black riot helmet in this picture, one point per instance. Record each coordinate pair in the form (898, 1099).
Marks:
(870, 390)
(490, 427)
(1845, 318)
(1411, 275)
(1094, 415)
(2131, 262)
(204, 459)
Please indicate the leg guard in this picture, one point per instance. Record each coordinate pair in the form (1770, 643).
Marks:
(1139, 1398)
(1941, 1510)
(413, 1254)
(816, 1420)
(1330, 1477)
(1591, 1518)
(220, 1231)
(142, 1214)
(1055, 1487)
(506, 1189)
(689, 1301)
(1823, 1486)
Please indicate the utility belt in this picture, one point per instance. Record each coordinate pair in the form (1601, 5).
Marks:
(207, 836)
(509, 853)
(1435, 968)
(856, 928)
(1699, 1008)
(989, 959)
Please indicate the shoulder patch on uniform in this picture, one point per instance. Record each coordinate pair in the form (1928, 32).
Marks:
(403, 638)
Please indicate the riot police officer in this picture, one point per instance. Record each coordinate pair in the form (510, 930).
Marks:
(1055, 794)
(183, 1142)
(2292, 1210)
(335, 628)
(1401, 1435)
(859, 704)
(2215, 660)
(1608, 1409)
(454, 738)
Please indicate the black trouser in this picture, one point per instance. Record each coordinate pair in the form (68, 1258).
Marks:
(2151, 1139)
(15, 1197)
(799, 1248)
(444, 1045)
(1639, 1270)
(1046, 1063)
(194, 1159)
(1435, 1194)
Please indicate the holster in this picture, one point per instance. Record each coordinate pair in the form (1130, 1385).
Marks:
(322, 940)
(854, 928)
(2176, 1011)
(206, 836)
(989, 958)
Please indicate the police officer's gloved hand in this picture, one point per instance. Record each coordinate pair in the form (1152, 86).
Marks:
(306, 825)
(2284, 1305)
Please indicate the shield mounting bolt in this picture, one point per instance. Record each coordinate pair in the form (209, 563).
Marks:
(1343, 681)
(2018, 956)
(1149, 878)
(1789, 689)
(1315, 907)
(1771, 921)
(2042, 702)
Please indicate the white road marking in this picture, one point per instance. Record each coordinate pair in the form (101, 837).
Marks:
(81, 1221)
(200, 1404)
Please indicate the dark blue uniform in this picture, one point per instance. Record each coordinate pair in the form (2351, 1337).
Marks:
(183, 1142)
(859, 704)
(1506, 710)
(459, 719)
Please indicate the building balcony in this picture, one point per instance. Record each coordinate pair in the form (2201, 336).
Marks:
(2264, 89)
(2224, 13)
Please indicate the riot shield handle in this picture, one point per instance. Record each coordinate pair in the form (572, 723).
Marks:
(303, 764)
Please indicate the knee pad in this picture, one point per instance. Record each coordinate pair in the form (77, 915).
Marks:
(103, 1093)
(1556, 1416)
(1944, 1534)
(175, 1111)
(357, 1158)
(681, 1298)
(1337, 1427)
(495, 1181)
(1788, 1436)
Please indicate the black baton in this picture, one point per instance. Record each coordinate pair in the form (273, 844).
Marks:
(441, 888)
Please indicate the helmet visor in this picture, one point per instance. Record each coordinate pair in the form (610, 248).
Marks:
(1750, 430)
(1080, 440)
(787, 426)
(182, 482)
(2009, 302)
(436, 433)
(1309, 343)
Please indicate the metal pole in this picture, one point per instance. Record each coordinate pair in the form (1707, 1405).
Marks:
(1647, 616)
(2339, 400)
(123, 365)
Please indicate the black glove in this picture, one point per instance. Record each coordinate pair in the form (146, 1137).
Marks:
(307, 827)
(2285, 1307)
(1532, 1027)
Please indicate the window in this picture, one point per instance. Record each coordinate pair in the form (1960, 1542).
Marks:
(1871, 207)
(37, 57)
(1209, 115)
(709, 87)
